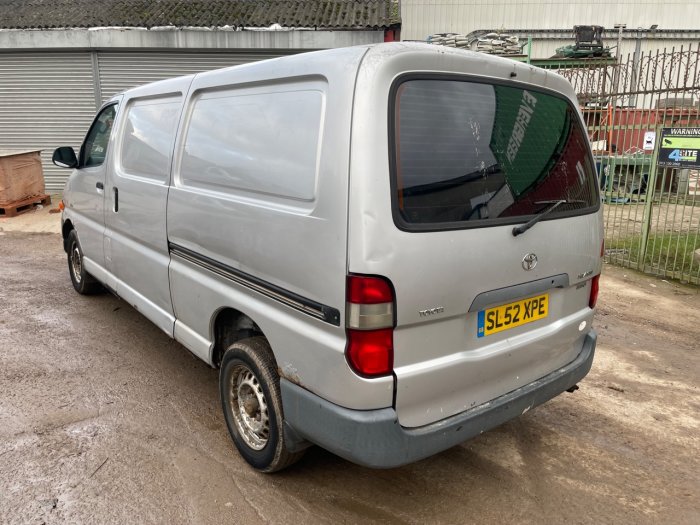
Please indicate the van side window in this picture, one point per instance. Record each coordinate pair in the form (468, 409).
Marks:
(149, 133)
(251, 142)
(94, 150)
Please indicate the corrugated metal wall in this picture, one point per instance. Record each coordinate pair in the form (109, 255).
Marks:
(46, 100)
(421, 18)
(49, 99)
(121, 71)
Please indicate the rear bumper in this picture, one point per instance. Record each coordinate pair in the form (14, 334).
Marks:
(374, 438)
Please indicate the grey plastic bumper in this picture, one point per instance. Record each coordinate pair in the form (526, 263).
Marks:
(374, 438)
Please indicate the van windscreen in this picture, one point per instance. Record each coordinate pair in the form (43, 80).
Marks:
(477, 154)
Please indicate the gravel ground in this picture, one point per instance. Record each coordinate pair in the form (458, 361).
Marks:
(104, 419)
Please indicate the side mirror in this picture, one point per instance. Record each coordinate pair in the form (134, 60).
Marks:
(64, 157)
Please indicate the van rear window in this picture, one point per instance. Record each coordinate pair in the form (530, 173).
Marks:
(475, 154)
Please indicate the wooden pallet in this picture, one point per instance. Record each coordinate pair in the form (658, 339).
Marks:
(17, 207)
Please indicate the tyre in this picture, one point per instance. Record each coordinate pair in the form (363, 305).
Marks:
(252, 404)
(83, 282)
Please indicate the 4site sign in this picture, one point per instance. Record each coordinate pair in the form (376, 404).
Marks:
(679, 148)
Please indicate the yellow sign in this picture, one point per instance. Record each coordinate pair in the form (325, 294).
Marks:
(679, 147)
(680, 142)
(510, 315)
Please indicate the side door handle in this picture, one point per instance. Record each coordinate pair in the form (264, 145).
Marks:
(116, 199)
(100, 186)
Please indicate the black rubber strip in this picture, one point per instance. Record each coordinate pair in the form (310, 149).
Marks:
(319, 311)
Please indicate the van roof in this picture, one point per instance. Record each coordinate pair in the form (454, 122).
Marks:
(377, 54)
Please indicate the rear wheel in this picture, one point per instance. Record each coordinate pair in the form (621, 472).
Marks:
(83, 282)
(252, 404)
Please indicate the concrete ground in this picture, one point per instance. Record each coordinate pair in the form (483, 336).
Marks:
(104, 419)
(40, 219)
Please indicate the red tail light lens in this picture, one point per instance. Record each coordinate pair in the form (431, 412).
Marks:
(593, 298)
(368, 290)
(371, 352)
(370, 325)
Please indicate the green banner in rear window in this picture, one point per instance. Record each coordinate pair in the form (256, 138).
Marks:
(528, 128)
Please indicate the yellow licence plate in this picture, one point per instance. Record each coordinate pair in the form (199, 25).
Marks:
(510, 315)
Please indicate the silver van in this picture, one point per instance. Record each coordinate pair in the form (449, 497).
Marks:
(386, 250)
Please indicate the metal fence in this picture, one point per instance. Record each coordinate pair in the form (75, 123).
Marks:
(652, 212)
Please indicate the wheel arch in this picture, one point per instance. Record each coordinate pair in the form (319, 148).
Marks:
(66, 228)
(228, 326)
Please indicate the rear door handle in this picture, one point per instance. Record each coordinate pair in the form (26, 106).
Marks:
(116, 199)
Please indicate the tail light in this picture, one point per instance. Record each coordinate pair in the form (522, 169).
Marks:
(595, 285)
(593, 298)
(370, 325)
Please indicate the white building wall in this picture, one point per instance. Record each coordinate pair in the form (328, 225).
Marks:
(173, 38)
(421, 18)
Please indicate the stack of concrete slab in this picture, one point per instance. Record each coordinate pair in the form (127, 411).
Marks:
(450, 40)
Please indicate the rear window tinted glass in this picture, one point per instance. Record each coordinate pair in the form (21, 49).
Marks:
(469, 153)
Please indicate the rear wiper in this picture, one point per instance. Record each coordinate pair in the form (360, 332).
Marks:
(553, 205)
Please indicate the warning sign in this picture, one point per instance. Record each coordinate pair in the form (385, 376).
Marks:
(649, 140)
(679, 148)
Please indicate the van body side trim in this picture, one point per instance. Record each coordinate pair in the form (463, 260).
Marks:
(194, 342)
(319, 311)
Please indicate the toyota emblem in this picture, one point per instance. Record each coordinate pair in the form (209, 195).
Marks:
(529, 261)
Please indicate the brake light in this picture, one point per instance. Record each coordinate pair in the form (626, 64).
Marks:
(371, 353)
(370, 325)
(593, 298)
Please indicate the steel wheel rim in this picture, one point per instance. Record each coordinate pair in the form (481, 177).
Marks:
(249, 407)
(76, 263)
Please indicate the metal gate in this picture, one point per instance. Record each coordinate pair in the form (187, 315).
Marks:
(652, 212)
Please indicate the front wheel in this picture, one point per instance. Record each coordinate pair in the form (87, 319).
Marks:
(83, 282)
(250, 396)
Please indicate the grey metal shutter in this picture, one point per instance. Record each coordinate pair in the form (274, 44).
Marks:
(46, 100)
(124, 70)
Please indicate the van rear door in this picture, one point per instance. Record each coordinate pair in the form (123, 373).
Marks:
(482, 307)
